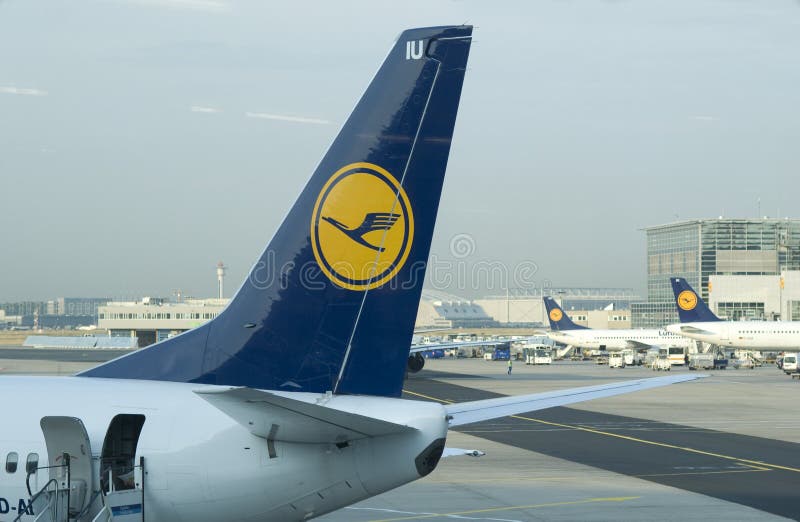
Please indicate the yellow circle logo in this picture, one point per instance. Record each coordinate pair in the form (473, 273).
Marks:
(556, 315)
(687, 300)
(362, 227)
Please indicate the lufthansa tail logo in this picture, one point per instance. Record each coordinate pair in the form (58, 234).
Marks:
(362, 227)
(372, 222)
(556, 315)
(687, 300)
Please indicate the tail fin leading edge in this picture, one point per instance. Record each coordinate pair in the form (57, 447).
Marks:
(331, 303)
(691, 309)
(558, 319)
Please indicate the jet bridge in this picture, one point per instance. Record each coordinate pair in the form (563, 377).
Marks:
(85, 487)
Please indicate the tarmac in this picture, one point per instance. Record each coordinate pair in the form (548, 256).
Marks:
(16, 360)
(721, 448)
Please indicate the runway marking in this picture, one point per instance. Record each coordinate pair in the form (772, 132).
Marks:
(753, 469)
(663, 445)
(703, 473)
(428, 397)
(500, 480)
(460, 514)
(543, 430)
(748, 462)
(431, 514)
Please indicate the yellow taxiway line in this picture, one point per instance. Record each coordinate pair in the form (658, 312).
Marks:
(456, 514)
(756, 464)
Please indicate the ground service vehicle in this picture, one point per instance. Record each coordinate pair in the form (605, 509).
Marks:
(662, 363)
(677, 355)
(542, 356)
(790, 363)
(616, 360)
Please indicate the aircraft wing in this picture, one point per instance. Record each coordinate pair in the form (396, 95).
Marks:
(476, 411)
(446, 346)
(458, 452)
(694, 330)
(429, 330)
(639, 345)
(280, 418)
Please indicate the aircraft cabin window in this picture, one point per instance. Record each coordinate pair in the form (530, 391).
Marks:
(32, 464)
(11, 462)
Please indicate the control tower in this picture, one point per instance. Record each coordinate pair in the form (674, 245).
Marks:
(220, 277)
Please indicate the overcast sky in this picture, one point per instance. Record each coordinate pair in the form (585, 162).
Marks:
(142, 141)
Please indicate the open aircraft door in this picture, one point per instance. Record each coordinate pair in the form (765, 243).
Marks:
(70, 463)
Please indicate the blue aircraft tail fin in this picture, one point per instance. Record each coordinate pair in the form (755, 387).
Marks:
(691, 309)
(558, 319)
(331, 303)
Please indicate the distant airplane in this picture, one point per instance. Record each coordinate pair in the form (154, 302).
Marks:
(88, 328)
(286, 405)
(564, 331)
(699, 322)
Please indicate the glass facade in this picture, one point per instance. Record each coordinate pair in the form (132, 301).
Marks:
(653, 315)
(748, 247)
(794, 311)
(741, 311)
(696, 250)
(672, 251)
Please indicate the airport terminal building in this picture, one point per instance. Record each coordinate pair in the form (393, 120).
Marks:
(704, 249)
(765, 297)
(154, 319)
(606, 308)
(593, 307)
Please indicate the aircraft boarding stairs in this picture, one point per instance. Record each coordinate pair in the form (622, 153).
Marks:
(81, 487)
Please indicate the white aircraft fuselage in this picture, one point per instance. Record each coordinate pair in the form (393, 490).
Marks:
(200, 464)
(778, 335)
(615, 340)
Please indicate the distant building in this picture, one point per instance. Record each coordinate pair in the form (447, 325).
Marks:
(9, 321)
(526, 308)
(756, 297)
(60, 313)
(442, 310)
(75, 305)
(23, 308)
(58, 322)
(452, 314)
(699, 249)
(155, 319)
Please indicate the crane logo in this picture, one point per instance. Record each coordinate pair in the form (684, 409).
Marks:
(362, 227)
(556, 315)
(687, 300)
